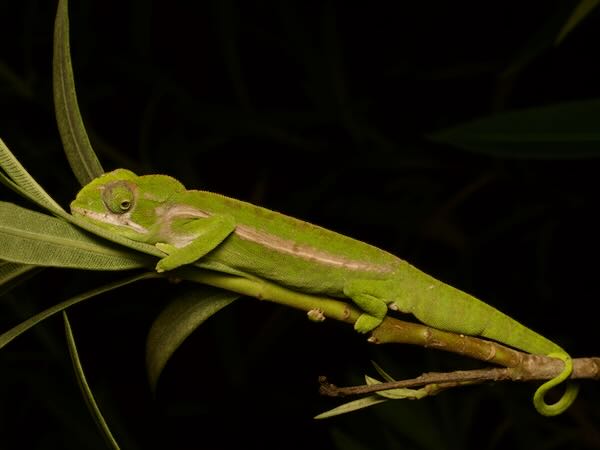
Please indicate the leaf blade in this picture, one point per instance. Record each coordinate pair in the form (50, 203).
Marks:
(79, 151)
(354, 405)
(11, 274)
(8, 336)
(29, 237)
(23, 183)
(581, 11)
(177, 321)
(85, 388)
(560, 131)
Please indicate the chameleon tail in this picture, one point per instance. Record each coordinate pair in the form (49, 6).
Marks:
(568, 397)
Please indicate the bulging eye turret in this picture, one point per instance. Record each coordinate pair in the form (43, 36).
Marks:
(118, 197)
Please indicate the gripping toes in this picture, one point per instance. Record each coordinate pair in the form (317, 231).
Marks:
(374, 307)
(366, 323)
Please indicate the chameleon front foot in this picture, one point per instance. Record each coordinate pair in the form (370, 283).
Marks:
(169, 249)
(363, 293)
(366, 323)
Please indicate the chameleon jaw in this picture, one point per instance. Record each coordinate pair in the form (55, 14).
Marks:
(121, 220)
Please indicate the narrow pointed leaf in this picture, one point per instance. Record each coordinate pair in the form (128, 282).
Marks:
(21, 182)
(81, 156)
(560, 131)
(113, 237)
(29, 237)
(581, 11)
(11, 274)
(177, 321)
(541, 39)
(9, 271)
(85, 388)
(352, 406)
(386, 376)
(397, 393)
(25, 184)
(21, 328)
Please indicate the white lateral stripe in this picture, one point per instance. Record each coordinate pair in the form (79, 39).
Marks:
(278, 244)
(121, 220)
(306, 252)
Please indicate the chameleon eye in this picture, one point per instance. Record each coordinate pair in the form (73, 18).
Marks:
(118, 198)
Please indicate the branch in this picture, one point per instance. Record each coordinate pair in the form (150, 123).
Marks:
(524, 366)
(582, 368)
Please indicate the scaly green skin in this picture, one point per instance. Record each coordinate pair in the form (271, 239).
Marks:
(241, 238)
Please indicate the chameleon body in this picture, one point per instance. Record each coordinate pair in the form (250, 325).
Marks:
(247, 240)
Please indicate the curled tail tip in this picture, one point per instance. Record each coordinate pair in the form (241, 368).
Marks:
(560, 406)
(567, 398)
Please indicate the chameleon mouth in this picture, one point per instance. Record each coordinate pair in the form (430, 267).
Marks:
(120, 220)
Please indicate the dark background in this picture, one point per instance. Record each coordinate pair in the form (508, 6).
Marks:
(320, 110)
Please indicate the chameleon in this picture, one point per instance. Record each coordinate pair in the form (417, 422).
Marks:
(249, 240)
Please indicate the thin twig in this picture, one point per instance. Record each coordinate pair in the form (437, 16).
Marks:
(582, 368)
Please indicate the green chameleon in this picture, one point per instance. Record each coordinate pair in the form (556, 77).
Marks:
(249, 240)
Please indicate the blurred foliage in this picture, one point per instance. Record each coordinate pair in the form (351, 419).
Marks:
(325, 111)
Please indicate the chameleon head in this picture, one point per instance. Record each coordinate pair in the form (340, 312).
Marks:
(124, 202)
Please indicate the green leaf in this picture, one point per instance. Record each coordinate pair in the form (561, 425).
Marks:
(113, 237)
(9, 271)
(16, 331)
(20, 181)
(541, 39)
(354, 405)
(81, 156)
(85, 388)
(397, 393)
(29, 237)
(12, 274)
(560, 131)
(581, 11)
(386, 376)
(177, 321)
